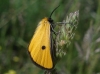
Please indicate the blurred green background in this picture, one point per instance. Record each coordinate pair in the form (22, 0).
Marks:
(18, 20)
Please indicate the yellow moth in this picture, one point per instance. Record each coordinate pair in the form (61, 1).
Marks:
(41, 47)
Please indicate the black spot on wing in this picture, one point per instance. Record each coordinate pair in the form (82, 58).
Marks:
(43, 47)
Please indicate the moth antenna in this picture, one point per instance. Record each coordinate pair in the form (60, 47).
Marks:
(53, 11)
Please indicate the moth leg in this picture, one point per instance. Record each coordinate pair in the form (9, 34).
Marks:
(52, 29)
(62, 23)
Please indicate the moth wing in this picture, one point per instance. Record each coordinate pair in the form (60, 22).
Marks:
(39, 47)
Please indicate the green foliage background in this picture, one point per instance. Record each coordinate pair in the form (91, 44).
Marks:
(18, 20)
